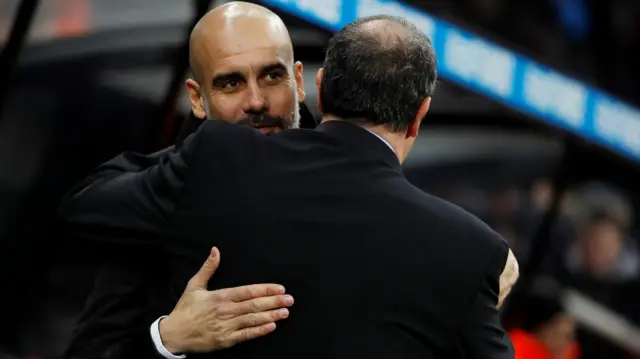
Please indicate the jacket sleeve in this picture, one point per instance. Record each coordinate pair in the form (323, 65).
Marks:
(129, 198)
(482, 335)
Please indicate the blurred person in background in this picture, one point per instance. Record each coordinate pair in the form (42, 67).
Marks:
(602, 251)
(264, 94)
(547, 331)
(603, 261)
(541, 196)
(364, 137)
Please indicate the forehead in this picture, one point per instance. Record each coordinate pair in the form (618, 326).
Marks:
(248, 60)
(245, 46)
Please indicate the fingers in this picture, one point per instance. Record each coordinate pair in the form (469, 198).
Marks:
(257, 319)
(243, 335)
(240, 294)
(261, 304)
(200, 279)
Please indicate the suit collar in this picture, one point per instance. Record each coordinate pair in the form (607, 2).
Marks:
(361, 141)
(382, 139)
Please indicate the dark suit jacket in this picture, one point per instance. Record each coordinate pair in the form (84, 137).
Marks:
(115, 312)
(378, 268)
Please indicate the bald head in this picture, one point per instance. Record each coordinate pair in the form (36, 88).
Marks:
(234, 28)
(387, 33)
(242, 62)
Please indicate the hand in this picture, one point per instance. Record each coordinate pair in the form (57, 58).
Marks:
(509, 277)
(205, 321)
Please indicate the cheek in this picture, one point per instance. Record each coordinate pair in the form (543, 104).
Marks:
(282, 100)
(225, 107)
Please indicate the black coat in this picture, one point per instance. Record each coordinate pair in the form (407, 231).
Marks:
(379, 269)
(128, 273)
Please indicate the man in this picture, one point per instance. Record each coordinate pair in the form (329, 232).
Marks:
(122, 289)
(379, 269)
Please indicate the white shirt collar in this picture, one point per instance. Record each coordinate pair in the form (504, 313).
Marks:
(382, 139)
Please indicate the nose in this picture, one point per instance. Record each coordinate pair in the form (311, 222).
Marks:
(256, 100)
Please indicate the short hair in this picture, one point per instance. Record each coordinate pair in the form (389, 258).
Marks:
(379, 74)
(540, 310)
(597, 216)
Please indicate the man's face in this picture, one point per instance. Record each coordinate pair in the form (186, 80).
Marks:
(601, 243)
(251, 81)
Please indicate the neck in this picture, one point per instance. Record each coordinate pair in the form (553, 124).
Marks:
(395, 139)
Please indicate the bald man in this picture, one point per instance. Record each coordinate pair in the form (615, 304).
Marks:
(243, 73)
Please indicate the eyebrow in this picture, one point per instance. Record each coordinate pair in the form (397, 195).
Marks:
(273, 66)
(221, 78)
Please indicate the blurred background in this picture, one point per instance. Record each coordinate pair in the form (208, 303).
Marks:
(533, 128)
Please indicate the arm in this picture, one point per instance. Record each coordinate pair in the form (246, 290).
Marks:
(130, 196)
(482, 335)
(121, 286)
(123, 163)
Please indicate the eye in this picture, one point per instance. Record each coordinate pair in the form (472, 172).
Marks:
(273, 77)
(230, 84)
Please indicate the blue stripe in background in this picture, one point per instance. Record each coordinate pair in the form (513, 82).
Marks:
(497, 73)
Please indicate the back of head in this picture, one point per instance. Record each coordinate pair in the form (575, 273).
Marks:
(378, 68)
(540, 310)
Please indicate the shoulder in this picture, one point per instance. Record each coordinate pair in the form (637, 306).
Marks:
(222, 138)
(472, 244)
(221, 151)
(457, 222)
(222, 132)
(219, 126)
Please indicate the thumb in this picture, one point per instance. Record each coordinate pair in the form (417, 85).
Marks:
(201, 279)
